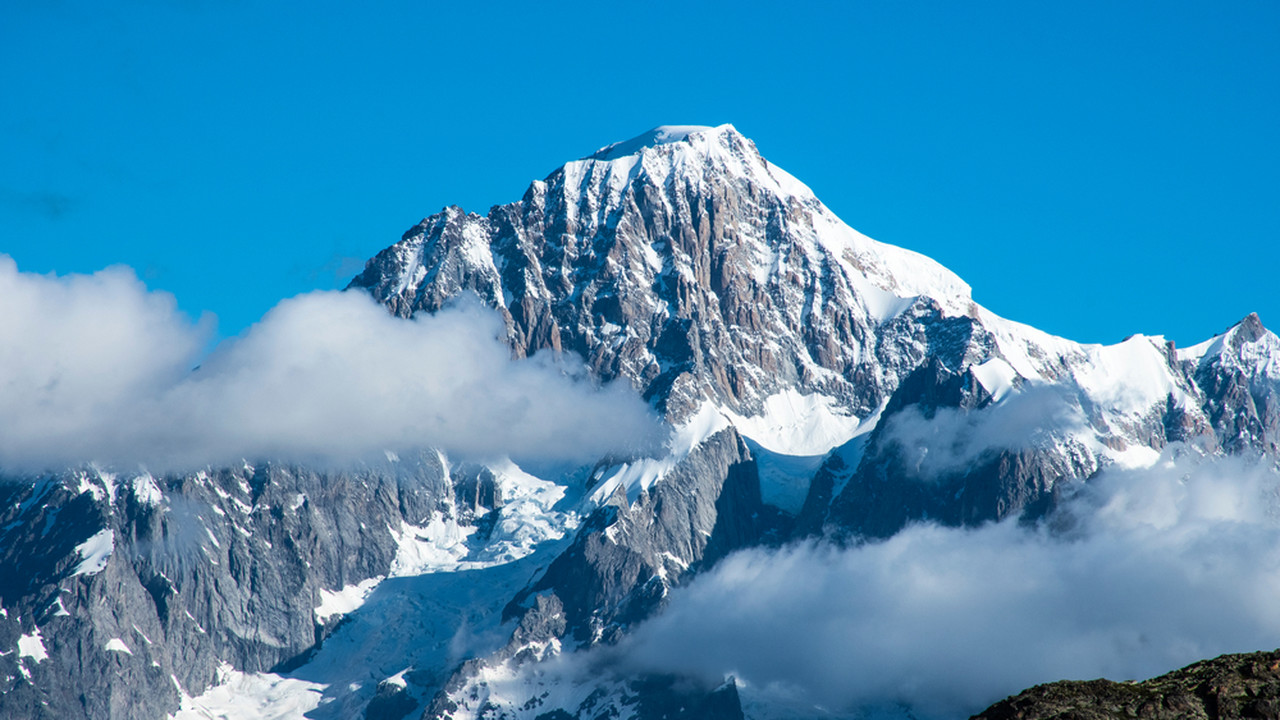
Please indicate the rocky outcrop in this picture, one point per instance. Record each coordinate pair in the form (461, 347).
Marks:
(1240, 380)
(1230, 687)
(951, 475)
(627, 555)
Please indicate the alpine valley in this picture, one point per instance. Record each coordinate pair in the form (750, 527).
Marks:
(820, 389)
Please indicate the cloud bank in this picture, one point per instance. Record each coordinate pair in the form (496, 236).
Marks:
(98, 368)
(1145, 571)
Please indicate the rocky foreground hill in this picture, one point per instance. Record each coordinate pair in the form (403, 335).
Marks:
(1230, 687)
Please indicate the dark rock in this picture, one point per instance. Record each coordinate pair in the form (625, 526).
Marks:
(1229, 687)
(391, 702)
(626, 556)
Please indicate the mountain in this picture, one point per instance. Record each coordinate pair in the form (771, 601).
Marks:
(817, 383)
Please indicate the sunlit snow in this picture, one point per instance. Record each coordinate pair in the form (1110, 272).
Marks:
(95, 552)
(117, 645)
(32, 646)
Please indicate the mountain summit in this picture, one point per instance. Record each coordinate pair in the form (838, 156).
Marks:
(685, 262)
(660, 135)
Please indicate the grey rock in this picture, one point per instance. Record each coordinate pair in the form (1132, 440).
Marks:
(627, 555)
(227, 567)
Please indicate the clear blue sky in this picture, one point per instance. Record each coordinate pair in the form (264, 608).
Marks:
(1091, 168)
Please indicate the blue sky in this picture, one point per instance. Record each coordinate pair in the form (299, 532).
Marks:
(1094, 169)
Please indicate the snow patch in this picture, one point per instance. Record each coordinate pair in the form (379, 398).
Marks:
(117, 645)
(791, 425)
(661, 135)
(85, 486)
(785, 479)
(95, 552)
(251, 697)
(1127, 378)
(341, 602)
(32, 646)
(398, 680)
(108, 482)
(996, 377)
(437, 546)
(146, 491)
(527, 517)
(1134, 457)
(795, 424)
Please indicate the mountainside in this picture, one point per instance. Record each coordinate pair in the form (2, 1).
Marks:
(817, 384)
(705, 275)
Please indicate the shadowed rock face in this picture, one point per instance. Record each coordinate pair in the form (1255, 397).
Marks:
(1229, 687)
(888, 489)
(628, 555)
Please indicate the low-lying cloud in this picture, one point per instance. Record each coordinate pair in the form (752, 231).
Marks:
(953, 439)
(97, 368)
(1144, 571)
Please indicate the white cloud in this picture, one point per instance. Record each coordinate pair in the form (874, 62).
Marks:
(1156, 568)
(97, 368)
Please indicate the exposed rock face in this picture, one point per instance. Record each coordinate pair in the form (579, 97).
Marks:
(627, 555)
(693, 269)
(1230, 687)
(896, 481)
(1241, 384)
(194, 571)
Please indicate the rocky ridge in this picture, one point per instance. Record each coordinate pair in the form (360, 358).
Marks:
(707, 277)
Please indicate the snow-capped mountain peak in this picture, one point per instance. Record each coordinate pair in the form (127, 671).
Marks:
(685, 262)
(661, 135)
(1247, 344)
